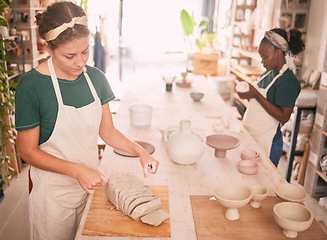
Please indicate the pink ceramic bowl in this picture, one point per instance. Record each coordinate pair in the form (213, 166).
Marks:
(250, 155)
(248, 167)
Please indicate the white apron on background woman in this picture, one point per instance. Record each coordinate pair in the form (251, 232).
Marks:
(74, 138)
(260, 124)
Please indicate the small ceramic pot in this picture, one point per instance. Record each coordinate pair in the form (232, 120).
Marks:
(248, 167)
(259, 194)
(250, 155)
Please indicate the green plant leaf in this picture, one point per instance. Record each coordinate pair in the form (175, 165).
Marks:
(187, 22)
(3, 21)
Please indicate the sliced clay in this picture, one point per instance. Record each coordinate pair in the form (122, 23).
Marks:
(119, 181)
(155, 218)
(145, 208)
(132, 198)
(123, 198)
(138, 201)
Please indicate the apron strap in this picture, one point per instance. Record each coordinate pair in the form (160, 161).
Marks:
(55, 82)
(88, 80)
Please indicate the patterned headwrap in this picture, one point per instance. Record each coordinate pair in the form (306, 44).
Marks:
(280, 42)
(277, 40)
(54, 33)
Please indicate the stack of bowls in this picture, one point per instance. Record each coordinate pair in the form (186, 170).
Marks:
(248, 165)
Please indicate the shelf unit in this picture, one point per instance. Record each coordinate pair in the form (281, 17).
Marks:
(315, 182)
(23, 17)
(12, 48)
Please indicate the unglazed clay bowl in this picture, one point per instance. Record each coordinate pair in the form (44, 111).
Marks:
(248, 167)
(221, 143)
(232, 196)
(196, 96)
(259, 194)
(250, 155)
(292, 218)
(290, 192)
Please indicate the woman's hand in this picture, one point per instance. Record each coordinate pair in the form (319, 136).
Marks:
(149, 164)
(89, 179)
(252, 93)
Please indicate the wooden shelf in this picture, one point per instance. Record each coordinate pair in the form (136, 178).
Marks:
(241, 75)
(251, 54)
(320, 174)
(320, 130)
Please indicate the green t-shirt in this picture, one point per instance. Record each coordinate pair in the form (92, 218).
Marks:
(283, 92)
(37, 105)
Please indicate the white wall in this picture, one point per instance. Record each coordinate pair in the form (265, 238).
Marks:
(316, 38)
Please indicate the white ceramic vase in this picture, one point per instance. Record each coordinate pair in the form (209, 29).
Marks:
(186, 145)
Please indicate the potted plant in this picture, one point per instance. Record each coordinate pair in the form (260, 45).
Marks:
(6, 105)
(197, 34)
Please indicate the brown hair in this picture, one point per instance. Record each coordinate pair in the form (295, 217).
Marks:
(57, 14)
(295, 43)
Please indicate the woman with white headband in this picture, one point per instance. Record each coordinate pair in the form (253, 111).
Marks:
(61, 108)
(272, 100)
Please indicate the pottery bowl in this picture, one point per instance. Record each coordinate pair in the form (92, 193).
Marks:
(221, 143)
(292, 218)
(250, 155)
(196, 96)
(232, 196)
(248, 167)
(290, 192)
(259, 194)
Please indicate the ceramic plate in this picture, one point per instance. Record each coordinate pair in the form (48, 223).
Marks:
(147, 146)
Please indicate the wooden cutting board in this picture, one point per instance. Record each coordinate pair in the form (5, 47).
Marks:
(210, 222)
(104, 219)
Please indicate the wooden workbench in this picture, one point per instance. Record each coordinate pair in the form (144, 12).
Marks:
(181, 181)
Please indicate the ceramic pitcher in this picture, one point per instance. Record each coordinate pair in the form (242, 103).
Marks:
(186, 145)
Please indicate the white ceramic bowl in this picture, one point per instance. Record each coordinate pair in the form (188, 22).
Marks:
(292, 218)
(248, 167)
(196, 96)
(290, 192)
(232, 196)
(259, 194)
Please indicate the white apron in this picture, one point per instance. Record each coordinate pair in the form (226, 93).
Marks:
(260, 124)
(56, 200)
